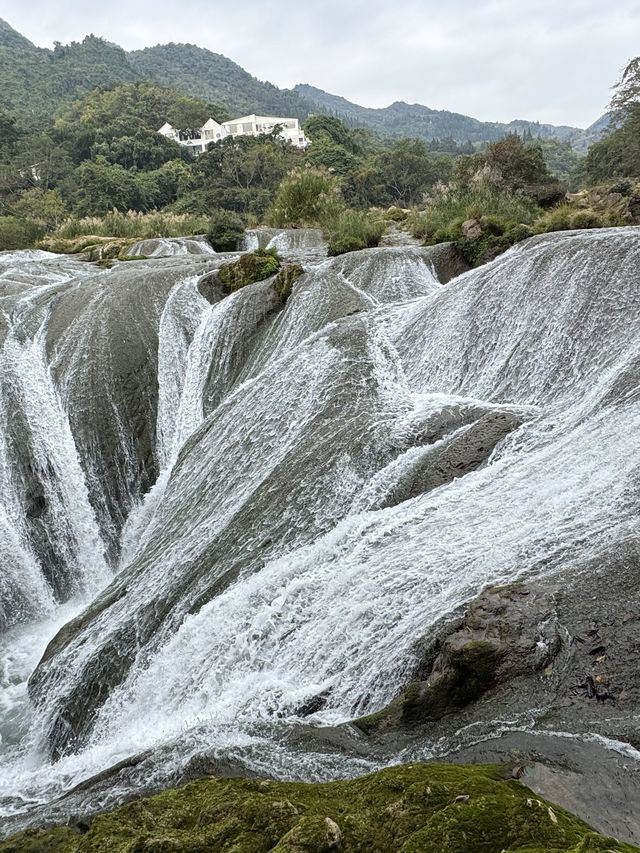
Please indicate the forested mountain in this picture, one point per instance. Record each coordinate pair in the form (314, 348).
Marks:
(36, 82)
(416, 120)
(217, 79)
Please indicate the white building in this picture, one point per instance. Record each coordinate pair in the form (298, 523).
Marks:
(253, 125)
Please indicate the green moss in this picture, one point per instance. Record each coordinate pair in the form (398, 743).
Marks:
(248, 269)
(95, 248)
(428, 808)
(58, 840)
(285, 279)
(463, 674)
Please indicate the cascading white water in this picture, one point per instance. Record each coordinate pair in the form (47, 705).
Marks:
(268, 566)
(45, 500)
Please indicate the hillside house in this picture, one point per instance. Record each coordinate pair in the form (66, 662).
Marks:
(197, 139)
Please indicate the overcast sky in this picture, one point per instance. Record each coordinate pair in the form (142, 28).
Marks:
(550, 60)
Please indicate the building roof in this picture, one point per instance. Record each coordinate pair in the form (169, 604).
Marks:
(253, 117)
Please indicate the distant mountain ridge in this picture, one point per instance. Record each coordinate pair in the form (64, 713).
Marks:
(36, 82)
(402, 119)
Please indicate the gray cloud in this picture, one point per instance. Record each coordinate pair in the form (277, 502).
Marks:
(494, 59)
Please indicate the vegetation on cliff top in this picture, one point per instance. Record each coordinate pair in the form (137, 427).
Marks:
(410, 809)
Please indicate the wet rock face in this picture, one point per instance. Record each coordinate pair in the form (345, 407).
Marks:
(454, 455)
(168, 247)
(507, 632)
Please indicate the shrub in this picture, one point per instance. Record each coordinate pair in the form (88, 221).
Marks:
(353, 230)
(586, 219)
(46, 208)
(248, 269)
(556, 219)
(306, 197)
(519, 233)
(225, 231)
(18, 233)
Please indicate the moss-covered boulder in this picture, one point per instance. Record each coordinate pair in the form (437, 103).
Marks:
(248, 269)
(285, 279)
(92, 247)
(506, 632)
(426, 808)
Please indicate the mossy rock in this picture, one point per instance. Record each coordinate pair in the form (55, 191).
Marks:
(395, 214)
(469, 671)
(248, 269)
(424, 808)
(343, 245)
(285, 279)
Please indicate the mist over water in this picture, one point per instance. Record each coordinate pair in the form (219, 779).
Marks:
(258, 488)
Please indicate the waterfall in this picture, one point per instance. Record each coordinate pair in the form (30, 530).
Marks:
(312, 516)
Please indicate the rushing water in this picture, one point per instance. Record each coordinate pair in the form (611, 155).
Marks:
(282, 534)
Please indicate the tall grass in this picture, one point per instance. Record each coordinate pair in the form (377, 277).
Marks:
(443, 218)
(350, 230)
(136, 225)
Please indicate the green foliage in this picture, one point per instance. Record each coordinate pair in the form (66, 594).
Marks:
(407, 171)
(305, 197)
(35, 81)
(18, 233)
(432, 808)
(99, 186)
(567, 217)
(626, 97)
(451, 130)
(618, 154)
(518, 165)
(395, 214)
(249, 269)
(43, 207)
(225, 230)
(121, 125)
(215, 78)
(240, 174)
(562, 160)
(352, 230)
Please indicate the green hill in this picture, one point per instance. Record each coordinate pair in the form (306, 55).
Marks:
(217, 79)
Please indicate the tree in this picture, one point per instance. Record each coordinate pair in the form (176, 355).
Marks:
(9, 134)
(241, 174)
(626, 97)
(517, 163)
(407, 170)
(98, 187)
(617, 155)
